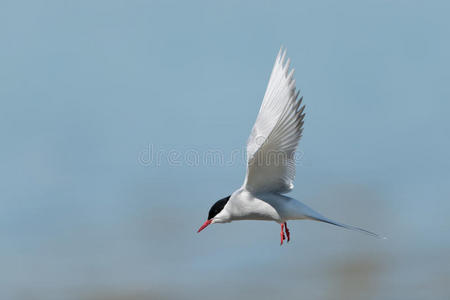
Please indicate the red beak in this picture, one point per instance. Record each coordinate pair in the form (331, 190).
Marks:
(204, 225)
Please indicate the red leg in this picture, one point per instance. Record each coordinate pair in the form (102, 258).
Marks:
(282, 234)
(287, 232)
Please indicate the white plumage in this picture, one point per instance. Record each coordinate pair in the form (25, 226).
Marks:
(275, 135)
(270, 160)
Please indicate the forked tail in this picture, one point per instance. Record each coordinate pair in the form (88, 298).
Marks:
(320, 218)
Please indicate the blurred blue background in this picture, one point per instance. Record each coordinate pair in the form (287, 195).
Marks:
(89, 89)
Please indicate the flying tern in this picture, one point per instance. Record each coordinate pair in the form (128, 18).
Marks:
(271, 162)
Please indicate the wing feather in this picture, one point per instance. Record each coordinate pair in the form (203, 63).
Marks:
(276, 133)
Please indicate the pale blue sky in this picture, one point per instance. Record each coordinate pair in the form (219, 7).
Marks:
(87, 86)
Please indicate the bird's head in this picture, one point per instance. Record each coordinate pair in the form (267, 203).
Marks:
(217, 214)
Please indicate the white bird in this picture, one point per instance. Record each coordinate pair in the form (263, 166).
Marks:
(270, 161)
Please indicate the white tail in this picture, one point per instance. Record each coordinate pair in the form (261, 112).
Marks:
(317, 217)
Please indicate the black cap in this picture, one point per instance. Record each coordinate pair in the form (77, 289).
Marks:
(217, 207)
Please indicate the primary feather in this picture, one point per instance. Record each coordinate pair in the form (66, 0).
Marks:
(276, 133)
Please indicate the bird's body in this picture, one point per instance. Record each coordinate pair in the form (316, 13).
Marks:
(244, 205)
(271, 161)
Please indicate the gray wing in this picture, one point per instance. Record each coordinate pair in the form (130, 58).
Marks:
(276, 133)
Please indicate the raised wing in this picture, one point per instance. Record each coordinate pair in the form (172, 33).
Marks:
(275, 135)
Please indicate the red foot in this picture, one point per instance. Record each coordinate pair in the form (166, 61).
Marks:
(287, 231)
(282, 234)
